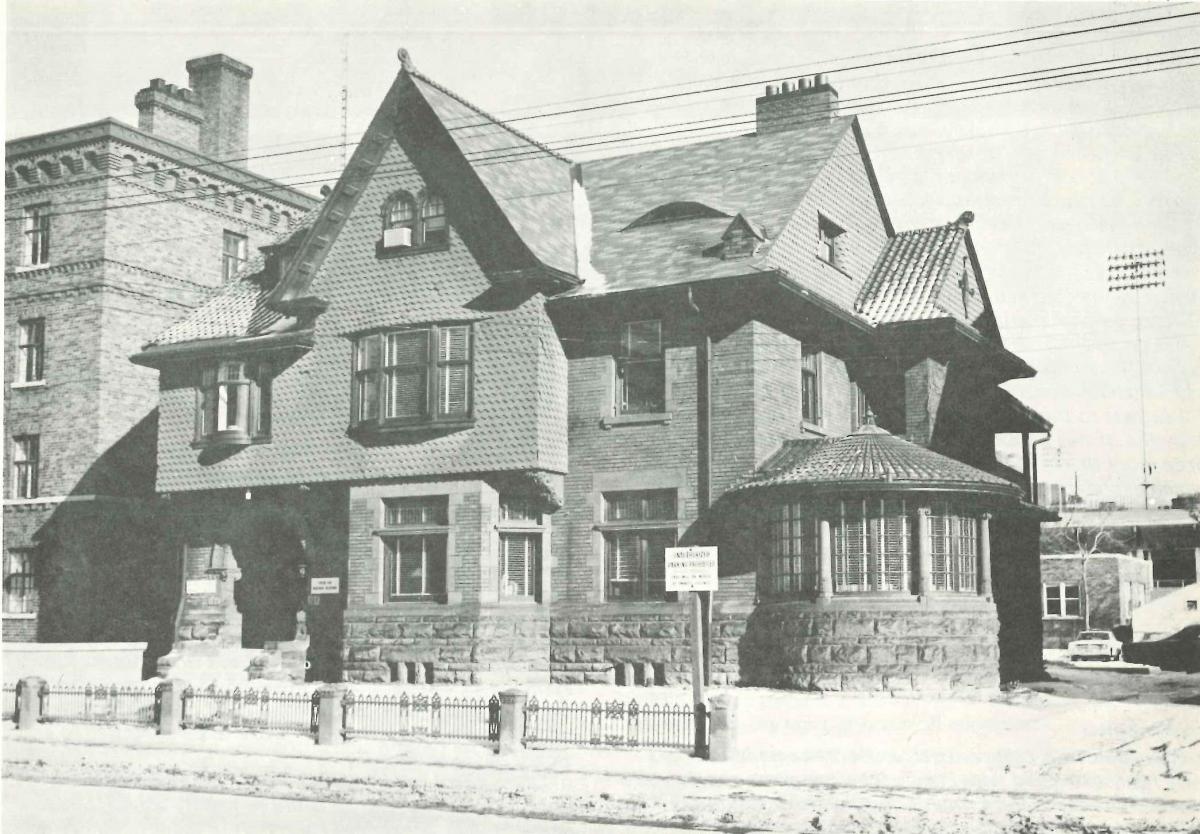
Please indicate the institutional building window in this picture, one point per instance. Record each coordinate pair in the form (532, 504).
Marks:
(409, 377)
(25, 459)
(1060, 600)
(233, 255)
(792, 563)
(810, 386)
(641, 369)
(520, 555)
(37, 235)
(638, 528)
(409, 223)
(954, 549)
(830, 239)
(20, 592)
(414, 543)
(872, 546)
(234, 403)
(31, 346)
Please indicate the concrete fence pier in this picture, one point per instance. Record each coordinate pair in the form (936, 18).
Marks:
(330, 715)
(722, 727)
(512, 720)
(170, 706)
(29, 702)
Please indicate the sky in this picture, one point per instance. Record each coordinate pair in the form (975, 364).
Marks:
(1058, 179)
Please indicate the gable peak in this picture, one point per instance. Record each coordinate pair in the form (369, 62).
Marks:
(406, 61)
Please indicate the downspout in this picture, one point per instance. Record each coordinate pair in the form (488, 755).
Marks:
(704, 456)
(1034, 467)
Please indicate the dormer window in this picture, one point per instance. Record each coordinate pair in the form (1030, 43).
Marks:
(830, 238)
(410, 223)
(234, 407)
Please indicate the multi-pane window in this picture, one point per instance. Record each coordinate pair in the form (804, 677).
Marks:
(639, 527)
(872, 546)
(414, 544)
(25, 466)
(20, 592)
(810, 386)
(641, 369)
(408, 222)
(954, 548)
(1060, 600)
(234, 402)
(520, 549)
(400, 211)
(433, 221)
(31, 345)
(829, 240)
(792, 564)
(37, 235)
(233, 255)
(413, 376)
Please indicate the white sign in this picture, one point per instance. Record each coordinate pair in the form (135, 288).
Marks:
(202, 586)
(325, 585)
(691, 568)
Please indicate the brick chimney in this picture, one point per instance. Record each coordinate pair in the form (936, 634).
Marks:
(174, 113)
(793, 105)
(223, 87)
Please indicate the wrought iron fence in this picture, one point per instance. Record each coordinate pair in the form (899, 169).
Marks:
(612, 724)
(10, 702)
(385, 715)
(249, 709)
(99, 704)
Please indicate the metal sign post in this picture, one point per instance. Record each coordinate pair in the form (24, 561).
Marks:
(694, 569)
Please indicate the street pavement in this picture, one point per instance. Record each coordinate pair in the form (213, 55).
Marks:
(48, 808)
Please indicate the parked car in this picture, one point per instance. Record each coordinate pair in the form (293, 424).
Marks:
(1094, 645)
(1178, 653)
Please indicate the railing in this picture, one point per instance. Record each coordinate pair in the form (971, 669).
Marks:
(383, 715)
(1170, 583)
(612, 724)
(9, 699)
(98, 704)
(249, 709)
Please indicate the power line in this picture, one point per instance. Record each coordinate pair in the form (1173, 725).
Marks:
(500, 156)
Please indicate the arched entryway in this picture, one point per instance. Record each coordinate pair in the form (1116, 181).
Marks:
(271, 590)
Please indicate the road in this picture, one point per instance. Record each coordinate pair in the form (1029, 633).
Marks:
(1098, 683)
(50, 808)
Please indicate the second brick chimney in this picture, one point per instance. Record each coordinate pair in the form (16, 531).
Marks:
(223, 87)
(806, 101)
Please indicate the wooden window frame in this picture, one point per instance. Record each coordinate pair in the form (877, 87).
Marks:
(791, 564)
(31, 350)
(25, 580)
(830, 239)
(874, 567)
(953, 549)
(810, 414)
(1061, 599)
(642, 527)
(251, 389)
(233, 261)
(431, 529)
(35, 246)
(26, 461)
(627, 363)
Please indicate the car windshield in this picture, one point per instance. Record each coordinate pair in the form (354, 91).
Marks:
(1092, 635)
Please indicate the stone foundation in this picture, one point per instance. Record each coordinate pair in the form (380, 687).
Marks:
(489, 648)
(875, 646)
(592, 645)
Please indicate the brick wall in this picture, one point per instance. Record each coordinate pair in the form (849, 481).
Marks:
(1108, 596)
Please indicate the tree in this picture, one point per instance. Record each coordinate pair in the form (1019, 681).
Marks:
(1084, 537)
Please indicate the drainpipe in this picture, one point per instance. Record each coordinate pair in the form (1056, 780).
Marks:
(1034, 467)
(704, 456)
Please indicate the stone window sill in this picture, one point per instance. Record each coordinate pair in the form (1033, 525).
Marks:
(649, 418)
(30, 268)
(814, 428)
(37, 383)
(32, 615)
(382, 251)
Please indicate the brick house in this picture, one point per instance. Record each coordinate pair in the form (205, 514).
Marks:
(1117, 585)
(112, 232)
(445, 429)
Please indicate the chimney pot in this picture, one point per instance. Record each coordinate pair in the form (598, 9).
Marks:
(820, 80)
(818, 105)
(806, 83)
(787, 86)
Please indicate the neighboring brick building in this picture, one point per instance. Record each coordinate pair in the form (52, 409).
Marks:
(1117, 585)
(111, 233)
(477, 397)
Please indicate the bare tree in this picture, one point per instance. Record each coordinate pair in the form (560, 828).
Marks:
(1083, 537)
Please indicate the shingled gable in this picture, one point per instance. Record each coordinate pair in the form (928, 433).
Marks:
(508, 192)
(916, 279)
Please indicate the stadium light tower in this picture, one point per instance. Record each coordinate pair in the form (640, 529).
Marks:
(1134, 272)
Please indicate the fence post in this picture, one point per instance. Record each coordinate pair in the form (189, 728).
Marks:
(512, 720)
(722, 727)
(330, 715)
(170, 706)
(29, 702)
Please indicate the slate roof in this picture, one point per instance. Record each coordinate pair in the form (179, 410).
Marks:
(871, 457)
(907, 279)
(763, 177)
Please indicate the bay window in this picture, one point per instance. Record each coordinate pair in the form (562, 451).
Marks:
(954, 549)
(872, 546)
(234, 405)
(412, 376)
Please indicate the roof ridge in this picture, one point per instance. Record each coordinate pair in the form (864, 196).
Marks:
(486, 115)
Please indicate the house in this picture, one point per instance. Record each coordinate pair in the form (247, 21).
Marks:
(445, 429)
(112, 232)
(1113, 590)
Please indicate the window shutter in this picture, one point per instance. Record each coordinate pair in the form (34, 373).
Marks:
(516, 567)
(453, 357)
(369, 361)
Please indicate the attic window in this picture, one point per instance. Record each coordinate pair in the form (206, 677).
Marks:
(830, 238)
(411, 223)
(672, 212)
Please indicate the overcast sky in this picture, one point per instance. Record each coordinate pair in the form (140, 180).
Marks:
(1058, 179)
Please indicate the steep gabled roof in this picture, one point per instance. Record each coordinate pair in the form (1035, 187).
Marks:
(907, 279)
(764, 177)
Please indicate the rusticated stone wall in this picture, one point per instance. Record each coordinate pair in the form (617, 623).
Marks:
(451, 647)
(591, 645)
(872, 647)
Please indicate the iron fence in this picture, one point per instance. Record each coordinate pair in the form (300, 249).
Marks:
(612, 724)
(9, 699)
(99, 704)
(249, 709)
(385, 715)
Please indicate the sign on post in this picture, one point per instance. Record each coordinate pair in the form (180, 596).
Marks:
(691, 568)
(325, 585)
